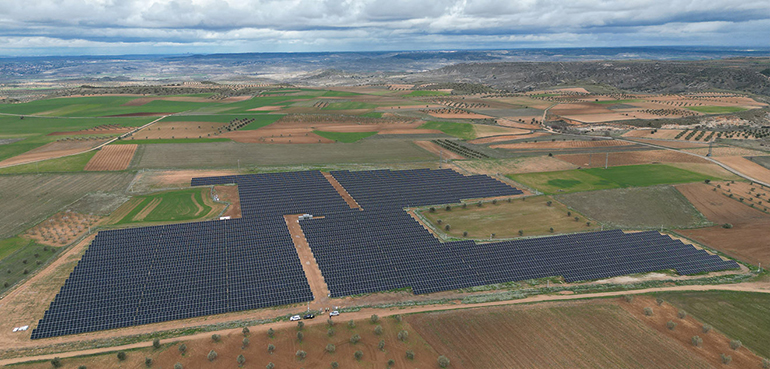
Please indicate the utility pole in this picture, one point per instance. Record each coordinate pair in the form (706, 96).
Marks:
(440, 157)
(607, 160)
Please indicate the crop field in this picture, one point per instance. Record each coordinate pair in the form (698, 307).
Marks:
(176, 129)
(637, 207)
(62, 228)
(29, 199)
(716, 109)
(543, 145)
(761, 160)
(226, 154)
(171, 206)
(19, 257)
(53, 150)
(532, 215)
(613, 177)
(581, 335)
(100, 106)
(72, 163)
(346, 137)
(598, 160)
(463, 131)
(532, 164)
(419, 93)
(744, 316)
(112, 157)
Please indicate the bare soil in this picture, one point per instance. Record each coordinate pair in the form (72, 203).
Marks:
(532, 164)
(342, 191)
(718, 152)
(112, 157)
(747, 167)
(309, 264)
(165, 179)
(53, 150)
(542, 145)
(438, 150)
(63, 228)
(166, 130)
(630, 158)
(230, 194)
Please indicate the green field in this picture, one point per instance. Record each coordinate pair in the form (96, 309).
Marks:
(339, 94)
(716, 109)
(99, 106)
(743, 316)
(74, 163)
(349, 105)
(168, 207)
(261, 121)
(346, 137)
(418, 93)
(614, 177)
(463, 131)
(373, 114)
(169, 141)
(19, 258)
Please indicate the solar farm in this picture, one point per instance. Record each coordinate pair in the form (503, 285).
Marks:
(152, 274)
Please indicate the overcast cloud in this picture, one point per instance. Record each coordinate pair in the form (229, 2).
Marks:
(57, 27)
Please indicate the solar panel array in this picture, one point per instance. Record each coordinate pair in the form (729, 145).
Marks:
(153, 274)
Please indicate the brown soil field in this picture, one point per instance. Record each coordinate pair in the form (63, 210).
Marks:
(518, 165)
(747, 167)
(62, 228)
(483, 130)
(341, 191)
(672, 144)
(459, 116)
(726, 151)
(714, 343)
(747, 240)
(309, 264)
(503, 138)
(661, 134)
(229, 194)
(164, 130)
(408, 131)
(630, 158)
(514, 123)
(594, 334)
(100, 130)
(438, 150)
(52, 150)
(147, 181)
(542, 145)
(112, 157)
(709, 169)
(267, 108)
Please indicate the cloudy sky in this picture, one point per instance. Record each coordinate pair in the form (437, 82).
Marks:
(73, 27)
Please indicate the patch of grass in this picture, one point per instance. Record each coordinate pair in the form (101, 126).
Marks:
(463, 131)
(168, 207)
(418, 93)
(613, 177)
(504, 219)
(744, 316)
(20, 256)
(96, 106)
(373, 114)
(346, 137)
(262, 121)
(340, 93)
(716, 109)
(169, 141)
(221, 118)
(349, 105)
(74, 163)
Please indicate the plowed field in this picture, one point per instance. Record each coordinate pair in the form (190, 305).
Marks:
(52, 150)
(542, 145)
(630, 158)
(112, 157)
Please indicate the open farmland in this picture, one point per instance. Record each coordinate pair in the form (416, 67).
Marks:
(534, 216)
(637, 207)
(172, 206)
(530, 164)
(543, 145)
(112, 157)
(226, 154)
(43, 195)
(599, 159)
(53, 150)
(20, 257)
(581, 335)
(747, 167)
(99, 106)
(71, 163)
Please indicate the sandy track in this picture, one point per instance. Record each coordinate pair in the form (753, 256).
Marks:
(341, 190)
(309, 264)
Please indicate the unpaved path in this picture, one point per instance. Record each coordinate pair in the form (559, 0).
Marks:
(309, 264)
(366, 313)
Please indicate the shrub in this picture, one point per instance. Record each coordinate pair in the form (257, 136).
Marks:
(182, 348)
(447, 227)
(351, 324)
(448, 208)
(245, 331)
(156, 343)
(465, 233)
(697, 341)
(178, 366)
(374, 318)
(270, 348)
(659, 301)
(727, 226)
(478, 204)
(148, 362)
(122, 355)
(381, 345)
(212, 355)
(648, 311)
(670, 325)
(629, 298)
(577, 219)
(432, 209)
(358, 355)
(403, 335)
(735, 344)
(335, 365)
(330, 348)
(681, 314)
(330, 322)
(270, 366)
(521, 233)
(300, 325)
(241, 360)
(355, 339)
(216, 337)
(270, 332)
(494, 202)
(726, 359)
(82, 367)
(397, 317)
(706, 328)
(766, 363)
(245, 341)
(443, 361)
(391, 362)
(378, 330)
(301, 354)
(410, 354)
(330, 332)
(551, 230)
(56, 362)
(549, 203)
(300, 336)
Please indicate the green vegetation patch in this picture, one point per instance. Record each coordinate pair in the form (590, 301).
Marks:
(744, 316)
(96, 106)
(716, 109)
(74, 163)
(373, 114)
(346, 137)
(637, 207)
(418, 93)
(349, 105)
(463, 131)
(340, 93)
(169, 207)
(169, 141)
(20, 258)
(613, 177)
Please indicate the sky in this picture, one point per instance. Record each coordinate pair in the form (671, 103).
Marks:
(115, 27)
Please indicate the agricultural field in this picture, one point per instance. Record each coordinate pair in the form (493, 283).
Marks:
(112, 157)
(533, 216)
(583, 335)
(637, 207)
(101, 106)
(600, 179)
(345, 137)
(171, 206)
(613, 159)
(463, 131)
(72, 163)
(21, 257)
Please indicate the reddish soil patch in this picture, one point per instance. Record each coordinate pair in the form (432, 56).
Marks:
(62, 228)
(166, 130)
(747, 240)
(230, 194)
(342, 191)
(53, 150)
(309, 264)
(438, 150)
(139, 115)
(561, 144)
(514, 123)
(630, 158)
(714, 343)
(112, 157)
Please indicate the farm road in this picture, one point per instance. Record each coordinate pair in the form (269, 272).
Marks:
(763, 287)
